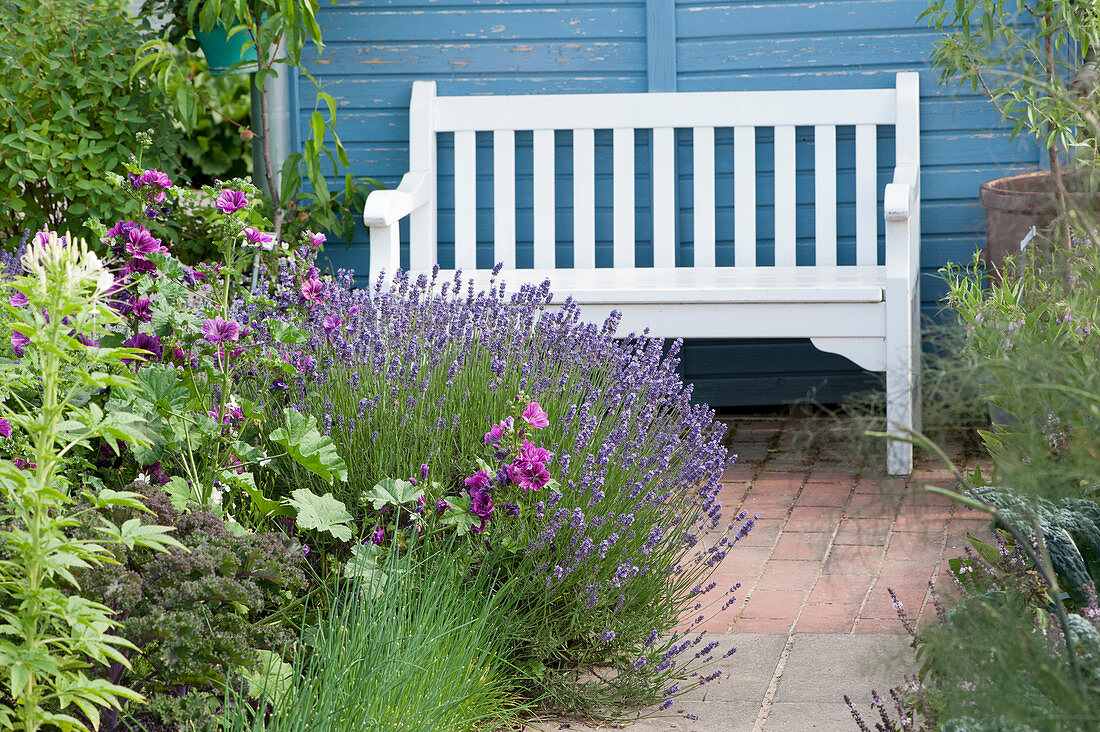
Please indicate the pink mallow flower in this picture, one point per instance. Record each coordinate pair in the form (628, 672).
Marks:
(528, 470)
(5, 427)
(140, 243)
(156, 178)
(497, 431)
(230, 201)
(256, 238)
(219, 330)
(315, 240)
(18, 299)
(313, 290)
(534, 416)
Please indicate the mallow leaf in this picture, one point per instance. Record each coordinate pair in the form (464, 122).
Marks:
(392, 492)
(323, 513)
(458, 514)
(308, 447)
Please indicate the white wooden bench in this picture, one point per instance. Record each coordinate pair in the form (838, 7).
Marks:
(867, 312)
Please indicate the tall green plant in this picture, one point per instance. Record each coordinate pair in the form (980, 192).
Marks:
(48, 636)
(1034, 60)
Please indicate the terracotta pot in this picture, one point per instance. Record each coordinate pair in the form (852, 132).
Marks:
(1015, 204)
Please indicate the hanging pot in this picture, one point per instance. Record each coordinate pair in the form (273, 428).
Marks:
(222, 50)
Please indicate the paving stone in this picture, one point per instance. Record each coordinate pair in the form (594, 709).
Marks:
(825, 494)
(867, 531)
(788, 574)
(814, 518)
(827, 618)
(799, 716)
(855, 664)
(840, 588)
(809, 545)
(847, 559)
(746, 674)
(774, 603)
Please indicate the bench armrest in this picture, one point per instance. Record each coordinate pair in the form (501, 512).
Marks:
(901, 196)
(385, 208)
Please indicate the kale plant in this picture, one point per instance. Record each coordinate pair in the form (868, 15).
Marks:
(198, 618)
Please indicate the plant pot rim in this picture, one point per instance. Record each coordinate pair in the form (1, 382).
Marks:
(1029, 193)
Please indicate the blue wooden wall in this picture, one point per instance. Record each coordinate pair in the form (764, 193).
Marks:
(375, 49)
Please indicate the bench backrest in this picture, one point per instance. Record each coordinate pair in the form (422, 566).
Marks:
(662, 114)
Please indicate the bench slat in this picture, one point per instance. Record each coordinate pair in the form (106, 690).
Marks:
(682, 109)
(825, 195)
(703, 203)
(784, 196)
(504, 197)
(623, 192)
(545, 236)
(866, 195)
(584, 198)
(465, 199)
(744, 196)
(664, 197)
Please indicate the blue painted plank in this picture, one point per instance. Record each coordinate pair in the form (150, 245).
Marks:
(660, 25)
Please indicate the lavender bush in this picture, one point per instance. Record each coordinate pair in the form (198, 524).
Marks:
(410, 378)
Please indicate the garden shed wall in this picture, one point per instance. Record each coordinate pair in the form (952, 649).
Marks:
(375, 49)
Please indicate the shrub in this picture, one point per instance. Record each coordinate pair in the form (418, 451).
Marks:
(196, 616)
(72, 113)
(415, 375)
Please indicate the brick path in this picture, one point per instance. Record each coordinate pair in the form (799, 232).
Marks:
(831, 540)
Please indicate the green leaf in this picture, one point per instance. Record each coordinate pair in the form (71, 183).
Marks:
(308, 447)
(364, 558)
(392, 492)
(134, 533)
(271, 678)
(458, 514)
(322, 513)
(180, 493)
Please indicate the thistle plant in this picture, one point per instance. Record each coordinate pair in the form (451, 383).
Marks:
(48, 635)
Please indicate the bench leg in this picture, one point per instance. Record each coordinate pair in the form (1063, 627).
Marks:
(902, 392)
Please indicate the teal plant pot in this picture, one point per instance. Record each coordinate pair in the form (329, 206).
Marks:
(222, 51)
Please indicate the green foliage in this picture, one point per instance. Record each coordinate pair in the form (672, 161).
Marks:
(308, 447)
(1034, 60)
(1033, 344)
(72, 113)
(321, 513)
(49, 636)
(1070, 531)
(200, 616)
(425, 655)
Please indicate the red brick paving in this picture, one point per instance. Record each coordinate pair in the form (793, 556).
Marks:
(832, 539)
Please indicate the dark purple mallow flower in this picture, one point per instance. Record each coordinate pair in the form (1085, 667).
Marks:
(139, 265)
(481, 505)
(231, 201)
(378, 536)
(140, 243)
(18, 299)
(218, 330)
(145, 342)
(142, 309)
(5, 427)
(19, 342)
(479, 481)
(121, 230)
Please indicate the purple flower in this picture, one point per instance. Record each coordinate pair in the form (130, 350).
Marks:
(219, 330)
(481, 505)
(313, 290)
(479, 481)
(144, 342)
(441, 506)
(24, 464)
(142, 309)
(497, 431)
(331, 322)
(140, 243)
(230, 201)
(154, 177)
(155, 473)
(315, 240)
(305, 550)
(5, 427)
(19, 342)
(18, 299)
(510, 508)
(138, 265)
(378, 536)
(121, 230)
(423, 471)
(534, 416)
(257, 238)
